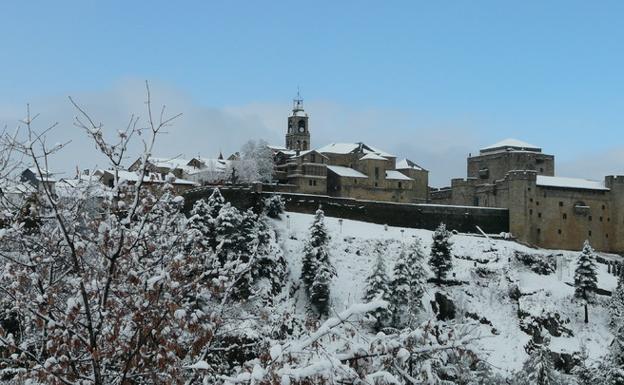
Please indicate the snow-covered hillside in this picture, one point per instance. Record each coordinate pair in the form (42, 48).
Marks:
(490, 273)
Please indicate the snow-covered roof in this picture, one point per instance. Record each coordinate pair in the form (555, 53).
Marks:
(407, 164)
(372, 156)
(18, 188)
(396, 175)
(347, 148)
(302, 153)
(572, 183)
(131, 176)
(346, 171)
(46, 175)
(170, 163)
(68, 188)
(510, 145)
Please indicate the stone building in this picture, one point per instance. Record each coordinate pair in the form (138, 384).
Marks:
(351, 170)
(544, 210)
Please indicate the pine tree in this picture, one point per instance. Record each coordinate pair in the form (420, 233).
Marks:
(203, 224)
(583, 373)
(538, 368)
(226, 227)
(315, 250)
(274, 206)
(271, 264)
(418, 278)
(441, 260)
(377, 287)
(317, 270)
(585, 279)
(215, 201)
(401, 289)
(616, 305)
(320, 289)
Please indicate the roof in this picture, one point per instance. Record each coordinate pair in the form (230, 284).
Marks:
(511, 144)
(131, 176)
(306, 152)
(170, 163)
(346, 171)
(347, 148)
(404, 164)
(396, 175)
(571, 183)
(372, 156)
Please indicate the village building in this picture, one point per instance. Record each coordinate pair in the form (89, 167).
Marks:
(349, 170)
(544, 210)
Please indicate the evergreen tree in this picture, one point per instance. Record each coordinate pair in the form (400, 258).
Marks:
(418, 278)
(538, 368)
(441, 260)
(271, 264)
(215, 201)
(203, 224)
(320, 291)
(227, 236)
(317, 270)
(585, 279)
(583, 373)
(401, 290)
(274, 206)
(315, 250)
(616, 305)
(377, 287)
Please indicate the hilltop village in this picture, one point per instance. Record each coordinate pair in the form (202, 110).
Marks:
(544, 210)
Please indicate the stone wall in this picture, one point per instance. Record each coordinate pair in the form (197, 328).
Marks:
(425, 216)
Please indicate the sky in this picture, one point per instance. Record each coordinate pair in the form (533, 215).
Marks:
(430, 81)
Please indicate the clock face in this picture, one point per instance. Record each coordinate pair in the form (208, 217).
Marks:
(302, 129)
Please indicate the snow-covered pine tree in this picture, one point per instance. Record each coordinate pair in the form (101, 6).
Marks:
(418, 278)
(377, 287)
(246, 251)
(226, 227)
(271, 264)
(585, 279)
(203, 224)
(538, 369)
(583, 373)
(315, 250)
(441, 260)
(274, 206)
(616, 305)
(215, 201)
(320, 289)
(317, 270)
(400, 287)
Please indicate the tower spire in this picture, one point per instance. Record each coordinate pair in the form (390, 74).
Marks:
(298, 102)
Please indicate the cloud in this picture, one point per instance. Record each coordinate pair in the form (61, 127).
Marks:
(439, 145)
(593, 165)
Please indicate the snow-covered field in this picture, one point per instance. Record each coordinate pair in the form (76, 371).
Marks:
(353, 246)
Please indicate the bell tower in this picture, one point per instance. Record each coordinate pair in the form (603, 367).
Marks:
(298, 134)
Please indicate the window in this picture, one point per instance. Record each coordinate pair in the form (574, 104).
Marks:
(560, 204)
(310, 182)
(376, 184)
(376, 173)
(314, 183)
(589, 232)
(606, 235)
(536, 203)
(531, 200)
(313, 157)
(600, 219)
(589, 218)
(559, 231)
(400, 185)
(539, 215)
(541, 169)
(604, 207)
(565, 216)
(531, 212)
(529, 189)
(539, 231)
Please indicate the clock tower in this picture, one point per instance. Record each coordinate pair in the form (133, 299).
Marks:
(298, 134)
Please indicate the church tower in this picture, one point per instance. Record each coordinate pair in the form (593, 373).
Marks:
(298, 134)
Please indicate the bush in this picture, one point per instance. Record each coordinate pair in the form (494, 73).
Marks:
(274, 206)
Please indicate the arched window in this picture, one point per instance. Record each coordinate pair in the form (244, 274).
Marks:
(301, 124)
(305, 145)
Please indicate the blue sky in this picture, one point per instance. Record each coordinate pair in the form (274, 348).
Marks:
(428, 80)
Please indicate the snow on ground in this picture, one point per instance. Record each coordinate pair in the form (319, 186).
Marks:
(353, 245)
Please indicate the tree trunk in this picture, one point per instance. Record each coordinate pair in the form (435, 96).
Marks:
(586, 315)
